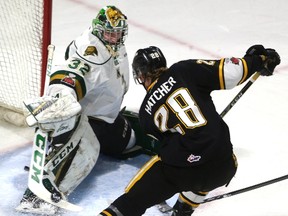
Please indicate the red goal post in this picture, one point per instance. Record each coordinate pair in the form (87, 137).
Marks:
(25, 33)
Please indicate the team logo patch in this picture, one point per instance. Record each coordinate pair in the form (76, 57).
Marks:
(68, 81)
(234, 60)
(114, 16)
(193, 158)
(91, 50)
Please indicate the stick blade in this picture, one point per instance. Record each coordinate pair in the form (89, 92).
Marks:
(41, 192)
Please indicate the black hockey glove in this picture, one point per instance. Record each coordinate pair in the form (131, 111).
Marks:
(256, 50)
(270, 58)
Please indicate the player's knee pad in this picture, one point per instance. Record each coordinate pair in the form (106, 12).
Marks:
(192, 198)
(74, 161)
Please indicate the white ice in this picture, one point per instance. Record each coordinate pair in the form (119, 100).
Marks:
(182, 29)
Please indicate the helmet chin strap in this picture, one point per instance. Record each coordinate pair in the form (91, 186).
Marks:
(144, 86)
(112, 51)
(141, 81)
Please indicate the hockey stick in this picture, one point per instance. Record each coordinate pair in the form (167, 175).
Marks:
(240, 94)
(35, 180)
(50, 49)
(164, 207)
(37, 164)
(243, 190)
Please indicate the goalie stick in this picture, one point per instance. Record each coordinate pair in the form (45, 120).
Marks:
(35, 180)
(50, 49)
(37, 164)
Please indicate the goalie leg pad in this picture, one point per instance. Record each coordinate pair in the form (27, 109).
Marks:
(81, 160)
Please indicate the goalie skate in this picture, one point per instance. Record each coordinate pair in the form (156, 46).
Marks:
(30, 203)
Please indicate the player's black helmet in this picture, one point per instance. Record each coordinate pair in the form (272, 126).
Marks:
(146, 62)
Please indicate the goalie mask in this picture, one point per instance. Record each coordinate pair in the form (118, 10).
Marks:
(147, 62)
(111, 27)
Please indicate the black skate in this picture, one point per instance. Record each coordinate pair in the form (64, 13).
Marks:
(182, 209)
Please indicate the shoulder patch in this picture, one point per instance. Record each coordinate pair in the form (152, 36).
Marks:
(234, 60)
(69, 81)
(91, 50)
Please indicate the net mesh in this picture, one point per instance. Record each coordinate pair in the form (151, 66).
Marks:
(21, 39)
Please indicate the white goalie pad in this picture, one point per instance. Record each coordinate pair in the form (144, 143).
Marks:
(58, 128)
(83, 161)
(49, 109)
(57, 114)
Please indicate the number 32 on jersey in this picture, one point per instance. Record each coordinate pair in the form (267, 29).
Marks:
(186, 110)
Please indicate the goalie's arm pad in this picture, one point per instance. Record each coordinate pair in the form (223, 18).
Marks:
(55, 89)
(71, 78)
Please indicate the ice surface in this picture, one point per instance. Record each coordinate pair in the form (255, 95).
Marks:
(182, 29)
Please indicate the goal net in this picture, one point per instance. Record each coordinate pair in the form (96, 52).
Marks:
(25, 33)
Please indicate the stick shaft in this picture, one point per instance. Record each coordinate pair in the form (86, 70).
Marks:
(224, 112)
(50, 49)
(240, 94)
(243, 190)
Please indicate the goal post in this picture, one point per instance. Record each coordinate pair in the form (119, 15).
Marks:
(25, 33)
(47, 20)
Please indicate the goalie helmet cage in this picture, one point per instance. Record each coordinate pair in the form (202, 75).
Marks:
(25, 33)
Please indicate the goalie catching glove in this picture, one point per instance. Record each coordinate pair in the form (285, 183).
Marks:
(270, 58)
(55, 113)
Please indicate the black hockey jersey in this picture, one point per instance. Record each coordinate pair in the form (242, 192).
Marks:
(178, 109)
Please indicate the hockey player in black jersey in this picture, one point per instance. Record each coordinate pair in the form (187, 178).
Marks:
(196, 154)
